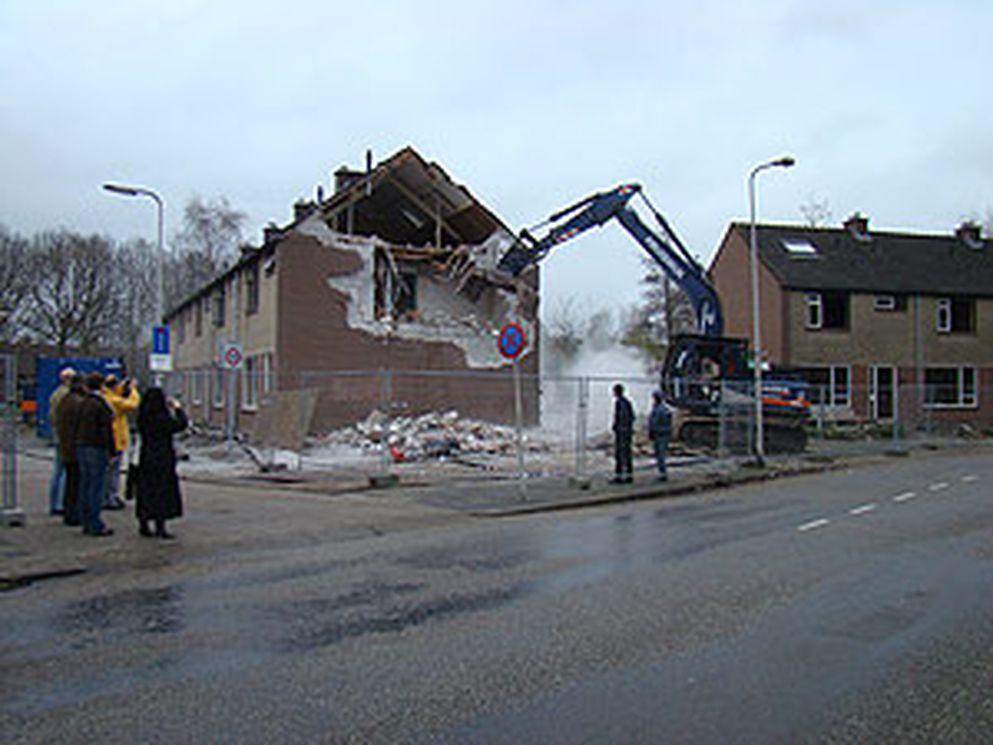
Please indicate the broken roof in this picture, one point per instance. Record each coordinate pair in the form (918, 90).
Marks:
(399, 200)
(833, 259)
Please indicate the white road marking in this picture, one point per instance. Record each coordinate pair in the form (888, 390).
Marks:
(938, 486)
(813, 524)
(970, 478)
(862, 510)
(905, 496)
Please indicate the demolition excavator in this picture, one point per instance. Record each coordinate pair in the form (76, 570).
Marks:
(705, 373)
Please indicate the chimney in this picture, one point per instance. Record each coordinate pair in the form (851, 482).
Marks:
(345, 177)
(969, 233)
(302, 208)
(858, 227)
(271, 233)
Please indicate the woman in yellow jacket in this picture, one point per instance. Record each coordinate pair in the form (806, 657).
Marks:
(123, 398)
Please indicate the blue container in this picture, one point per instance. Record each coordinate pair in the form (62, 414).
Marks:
(48, 369)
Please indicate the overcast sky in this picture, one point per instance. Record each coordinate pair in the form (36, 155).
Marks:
(885, 105)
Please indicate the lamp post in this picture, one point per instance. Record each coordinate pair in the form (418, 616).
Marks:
(784, 162)
(139, 191)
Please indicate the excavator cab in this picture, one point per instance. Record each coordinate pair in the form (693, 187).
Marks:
(695, 367)
(709, 378)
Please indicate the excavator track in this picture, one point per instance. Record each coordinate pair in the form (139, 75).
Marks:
(703, 434)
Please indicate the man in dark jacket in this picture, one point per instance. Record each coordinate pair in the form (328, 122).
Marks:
(94, 446)
(623, 428)
(659, 431)
(67, 422)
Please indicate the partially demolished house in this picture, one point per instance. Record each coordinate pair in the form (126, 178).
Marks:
(382, 296)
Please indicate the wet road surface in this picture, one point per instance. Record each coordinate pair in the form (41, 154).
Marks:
(833, 608)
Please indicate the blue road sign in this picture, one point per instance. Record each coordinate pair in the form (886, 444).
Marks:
(160, 340)
(511, 341)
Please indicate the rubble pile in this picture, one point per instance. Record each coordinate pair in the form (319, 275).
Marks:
(431, 435)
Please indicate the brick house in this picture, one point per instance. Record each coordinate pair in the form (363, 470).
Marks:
(865, 315)
(383, 291)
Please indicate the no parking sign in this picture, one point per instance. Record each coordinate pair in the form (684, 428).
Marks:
(512, 341)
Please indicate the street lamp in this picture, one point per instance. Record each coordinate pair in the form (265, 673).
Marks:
(784, 162)
(139, 191)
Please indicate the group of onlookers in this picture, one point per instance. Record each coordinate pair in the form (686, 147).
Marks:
(91, 422)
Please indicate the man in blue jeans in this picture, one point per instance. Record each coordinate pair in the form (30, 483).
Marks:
(94, 445)
(659, 431)
(57, 485)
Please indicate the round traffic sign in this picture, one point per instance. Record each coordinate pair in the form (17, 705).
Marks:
(232, 356)
(512, 341)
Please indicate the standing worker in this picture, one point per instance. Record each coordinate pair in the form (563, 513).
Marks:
(623, 427)
(94, 446)
(123, 399)
(57, 486)
(659, 431)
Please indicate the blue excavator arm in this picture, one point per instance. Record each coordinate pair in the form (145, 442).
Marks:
(667, 250)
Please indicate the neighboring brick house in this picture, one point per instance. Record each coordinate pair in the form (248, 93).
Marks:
(392, 273)
(864, 313)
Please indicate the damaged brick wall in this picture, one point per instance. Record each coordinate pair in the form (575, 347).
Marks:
(323, 279)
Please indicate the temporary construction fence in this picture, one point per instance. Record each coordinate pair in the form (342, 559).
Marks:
(10, 512)
(383, 419)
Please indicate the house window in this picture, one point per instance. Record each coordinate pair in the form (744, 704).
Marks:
(815, 310)
(405, 293)
(218, 388)
(956, 315)
(950, 387)
(835, 310)
(267, 373)
(198, 317)
(220, 301)
(196, 386)
(252, 290)
(895, 303)
(181, 326)
(829, 385)
(250, 384)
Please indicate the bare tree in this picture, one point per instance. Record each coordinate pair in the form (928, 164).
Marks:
(816, 212)
(207, 244)
(135, 290)
(14, 281)
(71, 300)
(665, 312)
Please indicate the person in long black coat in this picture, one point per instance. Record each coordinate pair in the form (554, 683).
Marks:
(158, 497)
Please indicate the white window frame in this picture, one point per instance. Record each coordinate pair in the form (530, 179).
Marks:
(196, 387)
(846, 398)
(217, 387)
(267, 373)
(943, 315)
(250, 384)
(965, 399)
(884, 302)
(815, 310)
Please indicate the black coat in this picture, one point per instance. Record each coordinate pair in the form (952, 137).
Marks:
(158, 496)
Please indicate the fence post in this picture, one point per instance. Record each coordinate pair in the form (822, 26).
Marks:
(722, 421)
(11, 514)
(582, 413)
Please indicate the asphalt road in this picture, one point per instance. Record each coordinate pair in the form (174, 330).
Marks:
(853, 606)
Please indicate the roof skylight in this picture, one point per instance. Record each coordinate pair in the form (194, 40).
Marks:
(799, 247)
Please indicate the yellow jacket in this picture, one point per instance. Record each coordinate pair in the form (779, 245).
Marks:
(122, 406)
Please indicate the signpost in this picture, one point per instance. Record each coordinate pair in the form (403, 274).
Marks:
(232, 359)
(511, 343)
(160, 360)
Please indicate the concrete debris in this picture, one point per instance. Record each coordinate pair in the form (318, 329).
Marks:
(431, 435)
